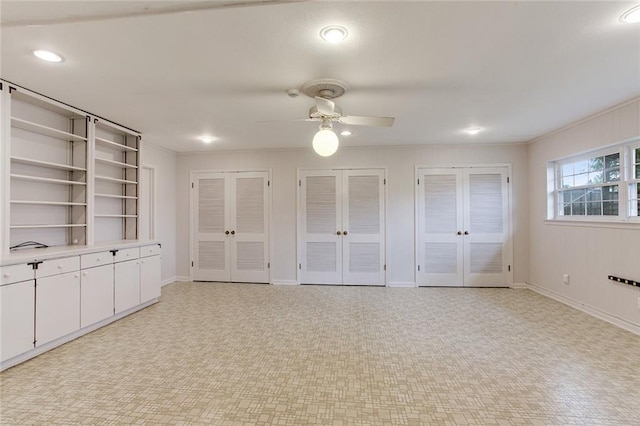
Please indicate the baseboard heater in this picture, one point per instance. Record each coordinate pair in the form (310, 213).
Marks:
(624, 281)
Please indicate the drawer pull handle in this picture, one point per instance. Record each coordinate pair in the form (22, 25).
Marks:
(84, 274)
(76, 276)
(98, 260)
(60, 266)
(6, 275)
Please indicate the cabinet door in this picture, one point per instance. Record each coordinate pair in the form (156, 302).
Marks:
(96, 295)
(57, 306)
(363, 227)
(211, 228)
(127, 285)
(149, 278)
(321, 227)
(17, 322)
(440, 228)
(249, 227)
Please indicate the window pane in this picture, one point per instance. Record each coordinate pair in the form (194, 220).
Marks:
(578, 195)
(637, 155)
(567, 182)
(567, 169)
(594, 194)
(637, 171)
(610, 193)
(578, 209)
(610, 208)
(612, 175)
(581, 166)
(581, 179)
(611, 161)
(596, 164)
(566, 209)
(594, 209)
(595, 177)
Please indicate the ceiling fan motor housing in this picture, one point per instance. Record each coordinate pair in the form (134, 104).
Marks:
(327, 88)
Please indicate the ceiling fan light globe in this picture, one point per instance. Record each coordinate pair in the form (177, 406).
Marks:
(325, 143)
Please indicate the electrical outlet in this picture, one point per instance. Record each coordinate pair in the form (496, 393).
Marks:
(565, 278)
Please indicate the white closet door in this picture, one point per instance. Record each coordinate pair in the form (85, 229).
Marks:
(486, 220)
(363, 227)
(440, 236)
(249, 230)
(210, 222)
(321, 208)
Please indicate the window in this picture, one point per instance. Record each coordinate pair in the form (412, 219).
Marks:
(602, 185)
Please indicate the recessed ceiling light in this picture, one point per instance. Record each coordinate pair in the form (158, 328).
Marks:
(207, 138)
(48, 56)
(631, 16)
(473, 130)
(345, 133)
(334, 34)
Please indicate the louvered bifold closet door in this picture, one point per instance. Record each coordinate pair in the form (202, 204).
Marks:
(249, 241)
(487, 224)
(211, 220)
(363, 227)
(440, 236)
(320, 221)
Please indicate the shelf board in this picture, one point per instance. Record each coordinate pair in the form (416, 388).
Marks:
(116, 215)
(47, 180)
(47, 164)
(124, 197)
(47, 203)
(113, 145)
(65, 225)
(45, 130)
(115, 163)
(110, 179)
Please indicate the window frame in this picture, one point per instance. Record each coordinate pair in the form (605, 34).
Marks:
(626, 151)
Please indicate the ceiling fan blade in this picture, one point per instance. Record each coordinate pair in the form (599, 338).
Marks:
(358, 120)
(287, 121)
(325, 106)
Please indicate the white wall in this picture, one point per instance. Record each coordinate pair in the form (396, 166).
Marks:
(401, 164)
(164, 162)
(587, 252)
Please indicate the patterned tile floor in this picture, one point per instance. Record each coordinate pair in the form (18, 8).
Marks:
(255, 354)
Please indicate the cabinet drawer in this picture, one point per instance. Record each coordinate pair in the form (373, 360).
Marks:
(16, 273)
(96, 259)
(58, 266)
(151, 250)
(127, 254)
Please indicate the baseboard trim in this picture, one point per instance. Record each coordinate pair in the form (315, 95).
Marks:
(168, 281)
(519, 286)
(178, 278)
(284, 282)
(581, 306)
(401, 284)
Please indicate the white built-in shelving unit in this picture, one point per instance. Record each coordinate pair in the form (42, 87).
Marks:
(68, 177)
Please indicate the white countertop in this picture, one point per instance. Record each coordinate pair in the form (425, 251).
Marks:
(37, 254)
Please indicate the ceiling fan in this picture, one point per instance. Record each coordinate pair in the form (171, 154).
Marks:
(325, 110)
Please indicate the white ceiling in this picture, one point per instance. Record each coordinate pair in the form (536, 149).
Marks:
(178, 69)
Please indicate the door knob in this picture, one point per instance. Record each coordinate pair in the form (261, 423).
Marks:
(344, 232)
(338, 233)
(233, 232)
(466, 232)
(459, 233)
(226, 232)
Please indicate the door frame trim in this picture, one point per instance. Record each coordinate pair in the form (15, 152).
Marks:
(416, 191)
(192, 175)
(385, 169)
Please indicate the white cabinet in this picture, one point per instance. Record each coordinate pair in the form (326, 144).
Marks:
(17, 307)
(127, 285)
(96, 294)
(149, 276)
(57, 306)
(342, 227)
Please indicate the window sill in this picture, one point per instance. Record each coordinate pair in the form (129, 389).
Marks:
(594, 223)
